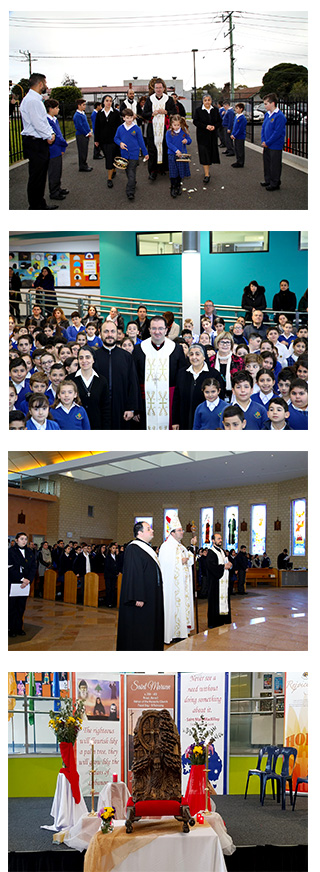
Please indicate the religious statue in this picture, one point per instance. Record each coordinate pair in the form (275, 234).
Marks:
(156, 768)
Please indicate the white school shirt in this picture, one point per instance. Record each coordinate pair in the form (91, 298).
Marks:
(265, 397)
(212, 405)
(39, 426)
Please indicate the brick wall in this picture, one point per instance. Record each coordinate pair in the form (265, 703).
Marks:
(70, 514)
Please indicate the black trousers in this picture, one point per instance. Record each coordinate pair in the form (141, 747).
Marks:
(228, 141)
(16, 610)
(239, 150)
(54, 174)
(82, 146)
(241, 580)
(272, 165)
(37, 152)
(131, 170)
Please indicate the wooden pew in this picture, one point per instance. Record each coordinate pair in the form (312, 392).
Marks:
(119, 582)
(70, 587)
(91, 589)
(255, 574)
(50, 584)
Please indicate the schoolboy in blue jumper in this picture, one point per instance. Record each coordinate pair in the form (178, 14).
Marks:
(18, 375)
(93, 340)
(242, 385)
(177, 139)
(273, 134)
(130, 139)
(208, 415)
(227, 124)
(57, 149)
(238, 134)
(96, 148)
(278, 413)
(75, 327)
(298, 408)
(83, 134)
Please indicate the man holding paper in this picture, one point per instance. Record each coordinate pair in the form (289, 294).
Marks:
(22, 570)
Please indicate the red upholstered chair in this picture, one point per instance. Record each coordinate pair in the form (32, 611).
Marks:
(158, 808)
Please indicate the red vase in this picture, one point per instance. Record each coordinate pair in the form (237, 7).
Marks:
(195, 794)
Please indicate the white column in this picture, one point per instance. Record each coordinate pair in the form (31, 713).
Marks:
(191, 277)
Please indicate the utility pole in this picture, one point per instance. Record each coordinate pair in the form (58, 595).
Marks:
(194, 76)
(230, 49)
(27, 55)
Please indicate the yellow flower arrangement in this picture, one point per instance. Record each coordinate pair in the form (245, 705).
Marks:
(68, 721)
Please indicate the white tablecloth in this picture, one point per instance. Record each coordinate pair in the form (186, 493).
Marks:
(64, 810)
(197, 850)
(115, 793)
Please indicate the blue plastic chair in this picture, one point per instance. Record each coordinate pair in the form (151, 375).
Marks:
(299, 781)
(282, 777)
(267, 751)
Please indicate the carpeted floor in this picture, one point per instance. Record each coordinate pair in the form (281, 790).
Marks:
(246, 821)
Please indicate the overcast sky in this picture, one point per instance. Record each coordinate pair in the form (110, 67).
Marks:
(102, 48)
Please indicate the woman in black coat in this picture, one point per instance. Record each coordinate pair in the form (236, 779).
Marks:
(93, 390)
(253, 297)
(187, 393)
(45, 282)
(106, 126)
(208, 122)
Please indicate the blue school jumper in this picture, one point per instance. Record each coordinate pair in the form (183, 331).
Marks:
(51, 396)
(205, 419)
(72, 332)
(256, 416)
(76, 419)
(60, 144)
(267, 426)
(298, 418)
(81, 124)
(50, 425)
(228, 118)
(273, 130)
(96, 342)
(174, 143)
(133, 139)
(239, 127)
(22, 394)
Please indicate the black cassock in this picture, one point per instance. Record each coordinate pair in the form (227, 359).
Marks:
(215, 571)
(188, 395)
(140, 628)
(118, 368)
(176, 362)
(207, 139)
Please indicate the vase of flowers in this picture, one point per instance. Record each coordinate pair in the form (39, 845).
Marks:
(196, 754)
(66, 724)
(106, 816)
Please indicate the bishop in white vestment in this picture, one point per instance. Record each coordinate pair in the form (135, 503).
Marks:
(176, 566)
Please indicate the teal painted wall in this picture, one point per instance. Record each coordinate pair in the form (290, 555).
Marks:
(223, 276)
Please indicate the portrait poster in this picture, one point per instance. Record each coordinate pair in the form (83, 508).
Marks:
(205, 694)
(146, 692)
(100, 693)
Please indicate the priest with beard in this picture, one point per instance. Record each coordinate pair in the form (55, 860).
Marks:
(141, 619)
(158, 361)
(117, 366)
(176, 566)
(129, 103)
(155, 109)
(218, 566)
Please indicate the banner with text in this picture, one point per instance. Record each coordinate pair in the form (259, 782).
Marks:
(146, 692)
(100, 693)
(206, 694)
(296, 723)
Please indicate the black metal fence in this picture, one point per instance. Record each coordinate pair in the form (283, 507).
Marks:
(296, 113)
(66, 112)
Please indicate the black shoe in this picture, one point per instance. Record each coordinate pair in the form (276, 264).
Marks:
(64, 191)
(86, 170)
(110, 183)
(224, 152)
(22, 633)
(264, 184)
(100, 157)
(206, 180)
(272, 187)
(174, 192)
(228, 153)
(237, 165)
(12, 635)
(59, 196)
(152, 177)
(51, 207)
(130, 196)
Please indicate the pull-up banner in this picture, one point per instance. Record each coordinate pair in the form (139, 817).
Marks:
(296, 723)
(100, 692)
(205, 693)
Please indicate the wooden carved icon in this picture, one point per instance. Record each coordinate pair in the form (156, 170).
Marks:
(156, 768)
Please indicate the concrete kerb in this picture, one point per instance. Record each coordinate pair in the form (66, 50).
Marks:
(20, 163)
(291, 160)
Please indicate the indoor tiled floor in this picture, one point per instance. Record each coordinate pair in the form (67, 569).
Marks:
(265, 619)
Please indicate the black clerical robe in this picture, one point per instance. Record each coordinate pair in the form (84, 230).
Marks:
(118, 368)
(140, 628)
(215, 571)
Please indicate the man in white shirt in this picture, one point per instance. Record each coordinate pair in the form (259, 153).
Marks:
(37, 135)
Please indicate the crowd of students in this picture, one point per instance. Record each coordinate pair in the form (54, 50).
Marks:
(252, 374)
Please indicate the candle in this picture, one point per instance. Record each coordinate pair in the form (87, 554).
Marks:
(200, 818)
(92, 755)
(115, 777)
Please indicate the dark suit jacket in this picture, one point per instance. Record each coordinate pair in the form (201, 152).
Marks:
(79, 565)
(19, 566)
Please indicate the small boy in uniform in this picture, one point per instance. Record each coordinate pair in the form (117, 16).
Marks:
(238, 134)
(130, 140)
(299, 404)
(278, 412)
(17, 420)
(57, 149)
(83, 134)
(233, 418)
(255, 414)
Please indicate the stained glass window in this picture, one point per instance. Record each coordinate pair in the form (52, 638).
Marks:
(258, 528)
(167, 515)
(206, 527)
(298, 527)
(231, 528)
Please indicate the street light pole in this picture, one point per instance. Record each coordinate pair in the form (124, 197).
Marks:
(194, 75)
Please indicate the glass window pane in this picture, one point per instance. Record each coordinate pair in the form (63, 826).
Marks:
(231, 527)
(235, 242)
(303, 240)
(258, 529)
(159, 243)
(167, 515)
(206, 527)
